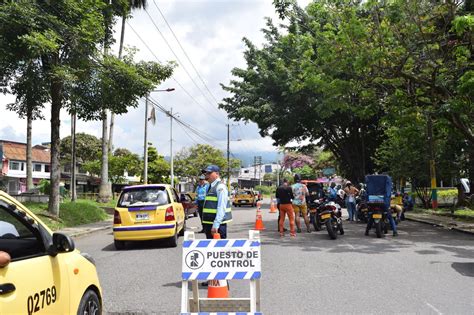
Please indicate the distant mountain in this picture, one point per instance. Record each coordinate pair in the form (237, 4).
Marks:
(248, 159)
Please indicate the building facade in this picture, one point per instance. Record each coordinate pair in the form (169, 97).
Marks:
(13, 171)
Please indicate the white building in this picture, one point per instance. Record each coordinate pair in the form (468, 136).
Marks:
(254, 175)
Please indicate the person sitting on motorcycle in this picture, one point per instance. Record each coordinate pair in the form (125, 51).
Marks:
(390, 219)
(407, 202)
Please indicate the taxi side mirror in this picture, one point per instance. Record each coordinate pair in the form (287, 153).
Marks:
(62, 243)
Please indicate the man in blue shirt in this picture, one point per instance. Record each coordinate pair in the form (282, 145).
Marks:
(201, 191)
(216, 210)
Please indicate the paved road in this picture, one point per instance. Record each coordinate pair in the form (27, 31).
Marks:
(426, 270)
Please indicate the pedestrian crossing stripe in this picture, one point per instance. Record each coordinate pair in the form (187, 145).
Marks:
(220, 243)
(223, 313)
(240, 275)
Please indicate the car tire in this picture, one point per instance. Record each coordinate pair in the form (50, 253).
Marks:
(90, 304)
(119, 245)
(181, 233)
(173, 241)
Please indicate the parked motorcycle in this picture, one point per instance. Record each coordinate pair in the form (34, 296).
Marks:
(362, 210)
(328, 214)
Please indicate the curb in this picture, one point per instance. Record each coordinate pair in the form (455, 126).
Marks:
(79, 231)
(439, 225)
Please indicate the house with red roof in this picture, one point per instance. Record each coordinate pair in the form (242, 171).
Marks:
(13, 166)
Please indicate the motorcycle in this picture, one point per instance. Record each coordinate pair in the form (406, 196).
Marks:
(328, 214)
(377, 214)
(362, 209)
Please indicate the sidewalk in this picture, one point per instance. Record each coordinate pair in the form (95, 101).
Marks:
(441, 221)
(85, 229)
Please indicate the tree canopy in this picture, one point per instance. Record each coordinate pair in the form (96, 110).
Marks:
(342, 74)
(58, 44)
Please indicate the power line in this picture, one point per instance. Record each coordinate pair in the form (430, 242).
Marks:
(177, 58)
(184, 51)
(176, 81)
(202, 135)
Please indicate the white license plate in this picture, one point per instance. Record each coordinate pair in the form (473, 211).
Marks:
(242, 201)
(142, 216)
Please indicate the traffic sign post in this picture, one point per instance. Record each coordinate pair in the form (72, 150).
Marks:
(221, 259)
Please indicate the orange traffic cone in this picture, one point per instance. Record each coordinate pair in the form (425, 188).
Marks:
(273, 208)
(258, 221)
(217, 289)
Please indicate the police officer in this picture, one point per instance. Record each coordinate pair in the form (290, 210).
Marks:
(201, 191)
(216, 211)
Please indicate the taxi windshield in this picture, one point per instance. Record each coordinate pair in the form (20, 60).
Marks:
(244, 194)
(155, 196)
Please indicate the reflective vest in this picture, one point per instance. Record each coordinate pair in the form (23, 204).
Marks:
(209, 210)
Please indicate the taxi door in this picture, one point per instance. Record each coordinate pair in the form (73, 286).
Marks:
(178, 208)
(34, 282)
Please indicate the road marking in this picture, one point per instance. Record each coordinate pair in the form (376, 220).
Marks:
(434, 308)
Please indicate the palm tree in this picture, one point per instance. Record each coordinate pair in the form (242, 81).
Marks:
(132, 5)
(124, 8)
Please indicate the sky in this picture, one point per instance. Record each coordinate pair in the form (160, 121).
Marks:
(211, 33)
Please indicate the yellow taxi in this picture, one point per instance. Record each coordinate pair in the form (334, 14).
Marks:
(245, 198)
(148, 212)
(41, 272)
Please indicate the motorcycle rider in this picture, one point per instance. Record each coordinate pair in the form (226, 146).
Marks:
(386, 209)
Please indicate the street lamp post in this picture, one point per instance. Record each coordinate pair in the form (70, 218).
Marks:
(228, 155)
(145, 140)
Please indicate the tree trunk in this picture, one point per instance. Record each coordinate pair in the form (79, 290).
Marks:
(56, 102)
(73, 157)
(112, 115)
(104, 190)
(29, 149)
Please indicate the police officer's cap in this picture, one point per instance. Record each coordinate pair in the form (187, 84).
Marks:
(211, 168)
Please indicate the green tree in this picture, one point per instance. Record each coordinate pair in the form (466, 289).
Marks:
(126, 8)
(87, 148)
(314, 82)
(30, 97)
(158, 167)
(190, 161)
(62, 39)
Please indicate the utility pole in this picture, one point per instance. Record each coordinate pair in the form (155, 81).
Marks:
(171, 146)
(145, 145)
(434, 195)
(228, 157)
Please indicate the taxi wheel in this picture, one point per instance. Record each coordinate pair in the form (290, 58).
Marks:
(119, 245)
(173, 241)
(90, 304)
(181, 233)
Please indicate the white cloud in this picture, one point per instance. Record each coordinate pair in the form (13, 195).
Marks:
(211, 33)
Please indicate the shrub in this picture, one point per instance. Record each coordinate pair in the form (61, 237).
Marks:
(266, 190)
(80, 212)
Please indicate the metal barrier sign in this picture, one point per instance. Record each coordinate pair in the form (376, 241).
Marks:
(221, 259)
(232, 259)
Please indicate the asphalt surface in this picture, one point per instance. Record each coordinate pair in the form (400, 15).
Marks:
(425, 270)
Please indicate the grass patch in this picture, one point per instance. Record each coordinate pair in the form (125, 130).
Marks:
(70, 213)
(463, 214)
